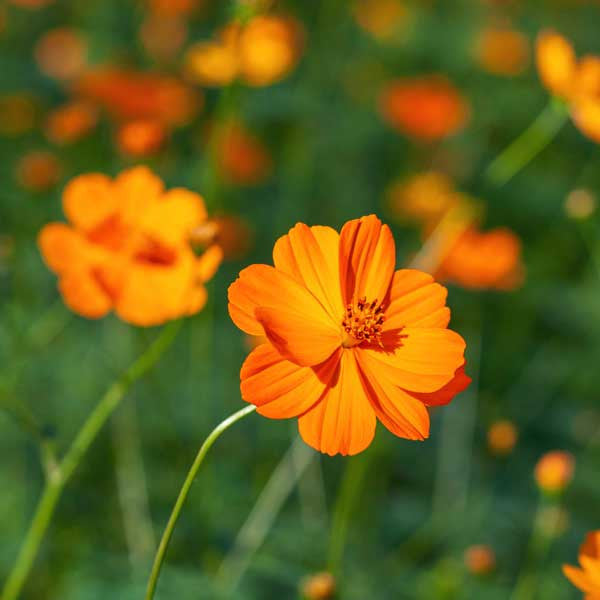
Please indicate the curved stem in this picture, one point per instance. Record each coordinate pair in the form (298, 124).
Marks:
(61, 472)
(183, 494)
(529, 144)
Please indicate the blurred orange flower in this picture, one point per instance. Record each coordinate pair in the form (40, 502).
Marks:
(587, 578)
(428, 108)
(38, 171)
(351, 340)
(61, 53)
(17, 114)
(126, 248)
(383, 19)
(480, 559)
(141, 137)
(424, 197)
(70, 122)
(502, 437)
(502, 50)
(260, 52)
(576, 82)
(554, 471)
(163, 36)
(478, 260)
(241, 157)
(140, 95)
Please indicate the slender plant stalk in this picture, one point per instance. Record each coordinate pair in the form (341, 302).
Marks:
(183, 494)
(60, 474)
(529, 144)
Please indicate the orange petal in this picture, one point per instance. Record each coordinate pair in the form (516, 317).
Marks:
(591, 545)
(311, 256)
(424, 360)
(63, 248)
(367, 259)
(84, 295)
(174, 216)
(88, 200)
(401, 413)
(136, 190)
(416, 301)
(445, 395)
(586, 115)
(556, 62)
(343, 421)
(591, 567)
(281, 389)
(209, 262)
(296, 323)
(152, 294)
(196, 301)
(579, 578)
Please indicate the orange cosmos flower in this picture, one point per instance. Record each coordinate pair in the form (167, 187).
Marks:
(478, 260)
(576, 82)
(38, 171)
(61, 53)
(260, 52)
(69, 123)
(502, 51)
(480, 559)
(141, 137)
(587, 578)
(350, 340)
(428, 108)
(554, 471)
(138, 95)
(241, 157)
(320, 586)
(126, 248)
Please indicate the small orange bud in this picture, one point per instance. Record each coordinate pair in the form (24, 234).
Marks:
(502, 437)
(141, 137)
(480, 559)
(320, 586)
(38, 171)
(554, 471)
(502, 51)
(70, 122)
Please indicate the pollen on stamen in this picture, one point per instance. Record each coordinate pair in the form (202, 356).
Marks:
(362, 323)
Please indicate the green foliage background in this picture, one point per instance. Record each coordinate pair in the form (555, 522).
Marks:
(533, 353)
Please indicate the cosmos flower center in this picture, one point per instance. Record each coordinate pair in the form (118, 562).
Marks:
(362, 323)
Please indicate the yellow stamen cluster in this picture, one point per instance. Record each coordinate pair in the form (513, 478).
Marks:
(362, 323)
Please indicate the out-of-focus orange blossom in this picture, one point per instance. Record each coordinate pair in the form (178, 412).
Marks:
(17, 114)
(483, 260)
(70, 122)
(162, 36)
(141, 137)
(577, 82)
(554, 471)
(587, 578)
(427, 108)
(260, 52)
(139, 95)
(580, 203)
(241, 157)
(424, 197)
(320, 586)
(230, 232)
(38, 171)
(502, 50)
(383, 19)
(126, 248)
(61, 53)
(480, 559)
(502, 437)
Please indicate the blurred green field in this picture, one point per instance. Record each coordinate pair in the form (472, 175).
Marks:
(413, 508)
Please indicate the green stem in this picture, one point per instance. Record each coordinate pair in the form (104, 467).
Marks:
(183, 494)
(349, 489)
(61, 473)
(529, 144)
